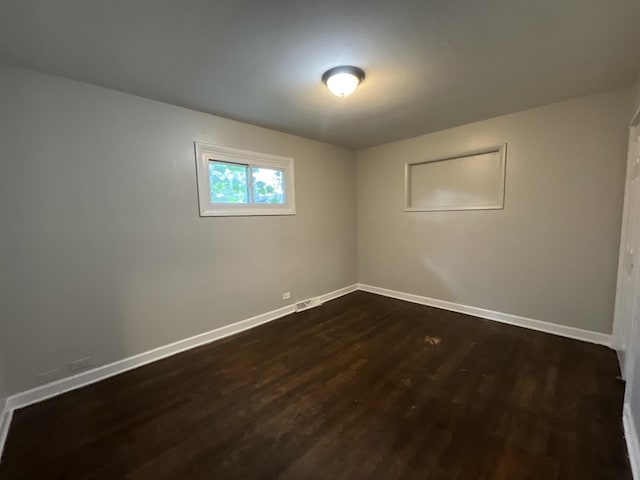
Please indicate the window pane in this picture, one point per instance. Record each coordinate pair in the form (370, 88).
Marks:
(268, 185)
(228, 182)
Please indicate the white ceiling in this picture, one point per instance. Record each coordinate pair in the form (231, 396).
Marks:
(430, 64)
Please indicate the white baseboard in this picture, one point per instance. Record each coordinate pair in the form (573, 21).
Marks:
(562, 330)
(633, 443)
(622, 362)
(5, 422)
(83, 379)
(338, 293)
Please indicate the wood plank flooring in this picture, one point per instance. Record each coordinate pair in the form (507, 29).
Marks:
(364, 387)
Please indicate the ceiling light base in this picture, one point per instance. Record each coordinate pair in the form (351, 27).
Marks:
(343, 80)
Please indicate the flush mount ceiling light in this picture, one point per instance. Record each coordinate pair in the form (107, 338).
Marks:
(342, 81)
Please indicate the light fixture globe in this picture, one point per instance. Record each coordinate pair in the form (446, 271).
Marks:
(342, 81)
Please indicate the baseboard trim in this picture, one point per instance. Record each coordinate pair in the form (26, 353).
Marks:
(338, 293)
(633, 443)
(83, 379)
(5, 422)
(561, 330)
(622, 363)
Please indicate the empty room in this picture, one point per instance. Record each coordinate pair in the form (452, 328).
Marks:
(320, 240)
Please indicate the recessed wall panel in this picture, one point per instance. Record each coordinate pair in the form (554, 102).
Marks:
(469, 181)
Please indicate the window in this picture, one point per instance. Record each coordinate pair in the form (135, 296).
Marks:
(468, 181)
(237, 182)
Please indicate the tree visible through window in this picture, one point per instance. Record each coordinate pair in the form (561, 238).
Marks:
(229, 184)
(268, 185)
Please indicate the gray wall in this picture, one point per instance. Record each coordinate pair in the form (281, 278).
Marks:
(103, 251)
(550, 255)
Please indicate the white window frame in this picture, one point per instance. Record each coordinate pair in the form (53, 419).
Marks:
(207, 152)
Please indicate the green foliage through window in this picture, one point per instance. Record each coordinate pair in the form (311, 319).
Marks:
(229, 183)
(268, 185)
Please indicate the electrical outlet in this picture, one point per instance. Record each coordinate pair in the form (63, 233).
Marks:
(48, 377)
(80, 364)
(286, 295)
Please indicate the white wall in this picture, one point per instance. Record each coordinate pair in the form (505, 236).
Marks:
(632, 391)
(550, 255)
(103, 252)
(636, 98)
(3, 390)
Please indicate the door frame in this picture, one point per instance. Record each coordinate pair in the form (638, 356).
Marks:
(623, 322)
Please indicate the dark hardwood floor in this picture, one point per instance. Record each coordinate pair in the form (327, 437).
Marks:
(364, 387)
